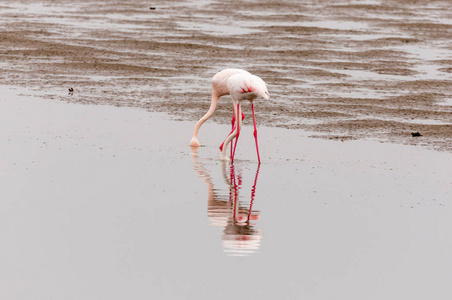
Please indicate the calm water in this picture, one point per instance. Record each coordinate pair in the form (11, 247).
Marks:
(103, 202)
(228, 210)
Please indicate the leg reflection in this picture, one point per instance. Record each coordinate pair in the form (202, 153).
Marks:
(224, 208)
(240, 236)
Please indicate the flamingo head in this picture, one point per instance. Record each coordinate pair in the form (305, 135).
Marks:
(261, 88)
(265, 94)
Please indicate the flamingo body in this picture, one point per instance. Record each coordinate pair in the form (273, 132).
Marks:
(220, 81)
(219, 88)
(247, 87)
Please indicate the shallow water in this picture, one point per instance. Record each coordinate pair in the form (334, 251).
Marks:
(102, 202)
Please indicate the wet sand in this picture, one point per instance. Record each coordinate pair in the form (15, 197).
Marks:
(377, 69)
(100, 202)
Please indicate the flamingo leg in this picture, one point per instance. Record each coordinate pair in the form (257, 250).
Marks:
(255, 133)
(233, 127)
(238, 131)
(231, 135)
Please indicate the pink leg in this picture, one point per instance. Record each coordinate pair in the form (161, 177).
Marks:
(233, 127)
(222, 144)
(255, 133)
(232, 130)
(237, 136)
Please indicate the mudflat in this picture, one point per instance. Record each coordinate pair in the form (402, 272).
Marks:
(379, 70)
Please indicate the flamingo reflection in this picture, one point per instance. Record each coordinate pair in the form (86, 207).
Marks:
(240, 237)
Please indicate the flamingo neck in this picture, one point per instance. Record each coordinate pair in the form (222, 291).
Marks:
(209, 113)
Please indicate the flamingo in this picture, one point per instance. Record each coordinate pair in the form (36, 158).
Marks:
(243, 86)
(219, 88)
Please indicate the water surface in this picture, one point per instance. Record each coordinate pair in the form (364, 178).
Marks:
(103, 202)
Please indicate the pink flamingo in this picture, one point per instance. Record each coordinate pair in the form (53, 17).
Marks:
(244, 86)
(219, 88)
